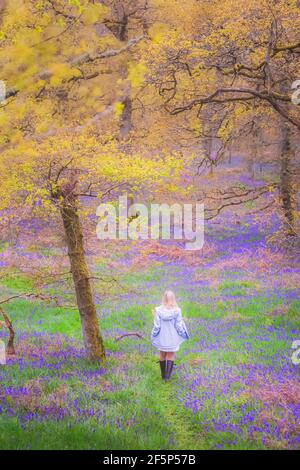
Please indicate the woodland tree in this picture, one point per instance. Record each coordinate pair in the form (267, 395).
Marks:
(65, 107)
(240, 61)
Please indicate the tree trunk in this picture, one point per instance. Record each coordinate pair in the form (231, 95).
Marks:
(230, 154)
(121, 14)
(10, 349)
(252, 157)
(126, 116)
(119, 27)
(286, 183)
(93, 340)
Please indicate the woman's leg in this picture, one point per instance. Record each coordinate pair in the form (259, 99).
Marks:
(162, 355)
(162, 363)
(170, 356)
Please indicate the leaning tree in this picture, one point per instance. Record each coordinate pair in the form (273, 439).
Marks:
(68, 70)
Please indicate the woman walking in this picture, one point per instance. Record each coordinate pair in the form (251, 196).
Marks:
(168, 332)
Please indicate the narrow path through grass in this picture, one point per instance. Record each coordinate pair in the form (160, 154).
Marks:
(163, 393)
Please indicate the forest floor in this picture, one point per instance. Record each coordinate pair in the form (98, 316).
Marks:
(234, 384)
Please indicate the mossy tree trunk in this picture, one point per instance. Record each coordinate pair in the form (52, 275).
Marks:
(286, 182)
(93, 340)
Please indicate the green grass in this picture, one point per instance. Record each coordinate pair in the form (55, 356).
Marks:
(204, 310)
(39, 316)
(138, 278)
(20, 283)
(294, 310)
(150, 412)
(148, 409)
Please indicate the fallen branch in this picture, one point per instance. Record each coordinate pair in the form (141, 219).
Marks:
(139, 335)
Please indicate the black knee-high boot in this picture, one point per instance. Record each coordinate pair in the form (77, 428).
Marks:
(169, 368)
(162, 368)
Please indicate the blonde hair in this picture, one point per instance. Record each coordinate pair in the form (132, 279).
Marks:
(169, 299)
